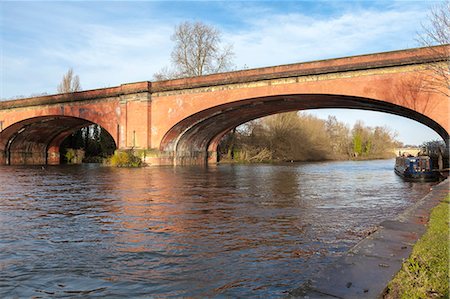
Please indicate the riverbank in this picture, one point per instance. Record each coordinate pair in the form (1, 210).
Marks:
(366, 269)
(271, 161)
(425, 273)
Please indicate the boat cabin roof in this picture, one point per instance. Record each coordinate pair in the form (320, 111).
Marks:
(414, 159)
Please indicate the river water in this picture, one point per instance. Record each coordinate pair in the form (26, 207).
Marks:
(220, 231)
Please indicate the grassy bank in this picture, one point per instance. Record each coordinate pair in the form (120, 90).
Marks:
(425, 274)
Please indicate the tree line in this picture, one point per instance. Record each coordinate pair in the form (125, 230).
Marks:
(299, 136)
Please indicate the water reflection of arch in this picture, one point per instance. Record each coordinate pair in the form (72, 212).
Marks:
(206, 216)
(158, 205)
(202, 131)
(37, 140)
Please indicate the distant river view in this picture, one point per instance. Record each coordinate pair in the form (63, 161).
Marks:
(219, 231)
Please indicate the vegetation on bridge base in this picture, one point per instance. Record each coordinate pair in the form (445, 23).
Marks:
(125, 158)
(425, 274)
(74, 156)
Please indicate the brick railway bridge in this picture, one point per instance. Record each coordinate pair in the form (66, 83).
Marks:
(182, 121)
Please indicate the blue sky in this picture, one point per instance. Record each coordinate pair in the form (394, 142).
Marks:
(110, 43)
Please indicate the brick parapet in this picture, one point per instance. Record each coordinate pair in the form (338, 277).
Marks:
(321, 67)
(88, 95)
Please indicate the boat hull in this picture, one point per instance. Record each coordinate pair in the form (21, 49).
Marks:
(429, 176)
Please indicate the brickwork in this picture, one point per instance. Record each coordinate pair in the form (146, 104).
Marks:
(183, 120)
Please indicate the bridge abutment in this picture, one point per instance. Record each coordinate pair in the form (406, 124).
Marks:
(195, 158)
(27, 158)
(190, 158)
(53, 156)
(155, 157)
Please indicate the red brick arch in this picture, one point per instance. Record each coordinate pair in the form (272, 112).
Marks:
(36, 140)
(201, 132)
(190, 115)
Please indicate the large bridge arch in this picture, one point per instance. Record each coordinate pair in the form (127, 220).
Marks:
(195, 138)
(189, 115)
(37, 140)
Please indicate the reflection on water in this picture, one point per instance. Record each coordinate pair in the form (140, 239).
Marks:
(231, 230)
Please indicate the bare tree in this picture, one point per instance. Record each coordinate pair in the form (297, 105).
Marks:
(437, 32)
(198, 51)
(69, 83)
(165, 74)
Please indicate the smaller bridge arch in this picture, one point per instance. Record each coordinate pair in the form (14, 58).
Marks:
(37, 140)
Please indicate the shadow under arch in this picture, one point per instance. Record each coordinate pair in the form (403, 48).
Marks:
(195, 139)
(36, 140)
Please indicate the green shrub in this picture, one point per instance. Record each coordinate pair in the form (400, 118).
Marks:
(74, 156)
(125, 158)
(70, 155)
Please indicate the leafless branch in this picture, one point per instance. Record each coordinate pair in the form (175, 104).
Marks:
(437, 32)
(197, 52)
(69, 83)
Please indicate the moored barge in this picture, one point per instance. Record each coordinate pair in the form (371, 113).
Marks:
(418, 168)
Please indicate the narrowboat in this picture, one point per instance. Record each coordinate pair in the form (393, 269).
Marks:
(418, 168)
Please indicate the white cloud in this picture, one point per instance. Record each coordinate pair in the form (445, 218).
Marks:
(289, 38)
(110, 56)
(101, 56)
(107, 52)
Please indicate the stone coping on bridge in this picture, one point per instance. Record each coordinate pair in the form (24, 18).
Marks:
(351, 63)
(318, 67)
(124, 89)
(366, 269)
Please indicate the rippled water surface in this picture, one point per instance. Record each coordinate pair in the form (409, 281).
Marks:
(229, 230)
